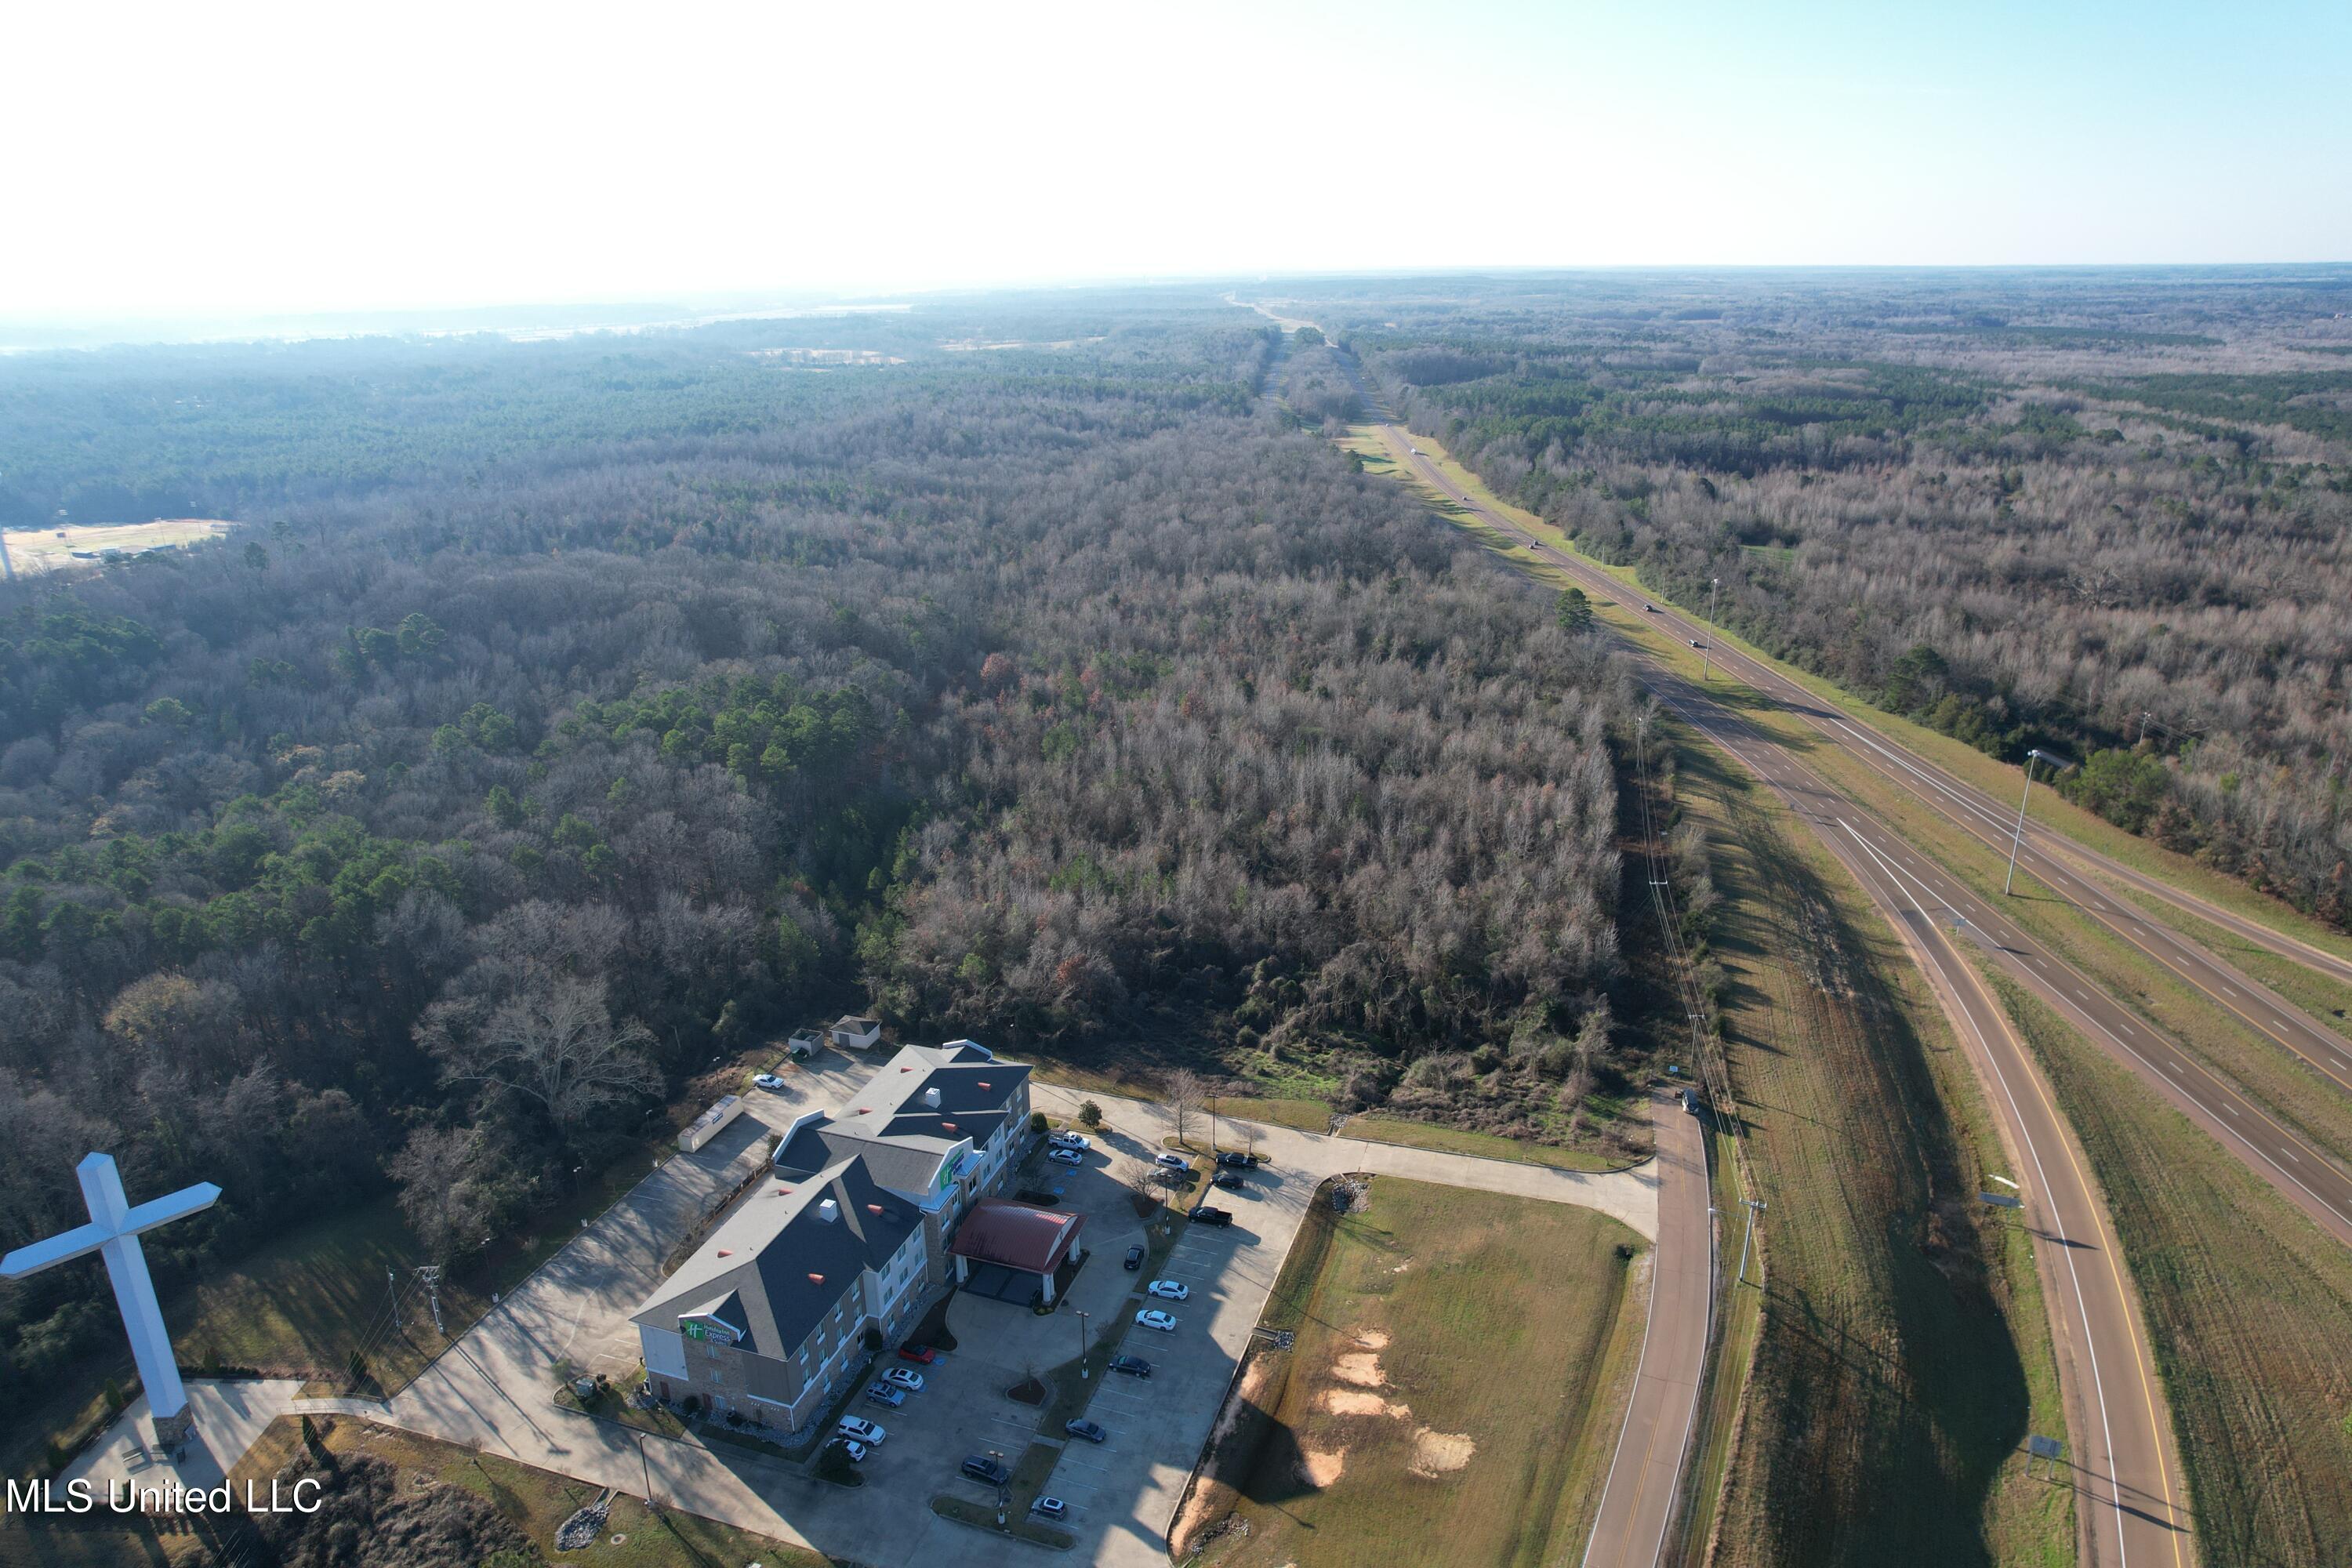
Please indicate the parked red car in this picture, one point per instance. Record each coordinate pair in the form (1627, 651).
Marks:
(923, 1353)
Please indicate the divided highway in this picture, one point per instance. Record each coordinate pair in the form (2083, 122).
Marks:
(2308, 1177)
(2131, 1506)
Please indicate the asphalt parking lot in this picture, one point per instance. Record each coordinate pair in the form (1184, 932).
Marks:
(1119, 1492)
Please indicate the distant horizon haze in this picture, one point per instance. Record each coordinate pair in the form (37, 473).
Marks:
(279, 162)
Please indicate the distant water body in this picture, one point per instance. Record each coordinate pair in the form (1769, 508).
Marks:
(521, 323)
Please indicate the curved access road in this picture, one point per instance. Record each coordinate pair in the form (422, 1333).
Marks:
(1637, 1502)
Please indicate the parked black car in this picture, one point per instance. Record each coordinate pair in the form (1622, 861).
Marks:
(1135, 1258)
(981, 1468)
(1229, 1180)
(1234, 1159)
(1083, 1427)
(1133, 1365)
(1204, 1215)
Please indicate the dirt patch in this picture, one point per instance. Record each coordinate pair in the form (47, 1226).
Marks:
(1362, 1368)
(1357, 1402)
(1373, 1340)
(1321, 1466)
(1440, 1453)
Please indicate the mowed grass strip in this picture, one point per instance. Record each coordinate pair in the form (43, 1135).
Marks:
(1452, 1396)
(1904, 1352)
(2248, 1303)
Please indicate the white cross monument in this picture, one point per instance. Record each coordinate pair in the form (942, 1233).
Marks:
(113, 1231)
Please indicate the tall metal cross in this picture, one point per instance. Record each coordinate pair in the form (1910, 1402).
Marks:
(113, 1231)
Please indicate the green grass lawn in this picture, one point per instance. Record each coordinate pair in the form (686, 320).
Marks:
(1391, 1441)
(1378, 1129)
(1315, 1116)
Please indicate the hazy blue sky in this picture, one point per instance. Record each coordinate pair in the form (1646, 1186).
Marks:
(228, 158)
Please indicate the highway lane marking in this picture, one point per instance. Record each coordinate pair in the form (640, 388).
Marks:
(2231, 992)
(2233, 1111)
(2082, 1307)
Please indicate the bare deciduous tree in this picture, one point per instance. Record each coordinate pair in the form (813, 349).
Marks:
(1183, 1097)
(556, 1043)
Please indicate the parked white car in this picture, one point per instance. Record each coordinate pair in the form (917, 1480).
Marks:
(1173, 1161)
(1069, 1140)
(1065, 1156)
(1152, 1318)
(904, 1377)
(770, 1081)
(861, 1429)
(855, 1449)
(1169, 1290)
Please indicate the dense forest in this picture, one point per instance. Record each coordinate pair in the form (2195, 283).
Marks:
(2109, 512)
(564, 714)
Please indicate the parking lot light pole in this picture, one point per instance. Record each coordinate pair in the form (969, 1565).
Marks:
(1082, 1345)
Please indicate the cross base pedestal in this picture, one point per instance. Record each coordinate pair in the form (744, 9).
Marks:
(171, 1432)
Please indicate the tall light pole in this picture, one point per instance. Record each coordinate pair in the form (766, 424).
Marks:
(1707, 654)
(1082, 1346)
(1755, 1206)
(2018, 837)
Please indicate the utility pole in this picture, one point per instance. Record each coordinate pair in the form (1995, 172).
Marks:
(1082, 1346)
(2018, 837)
(1707, 654)
(1755, 1206)
(431, 1274)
